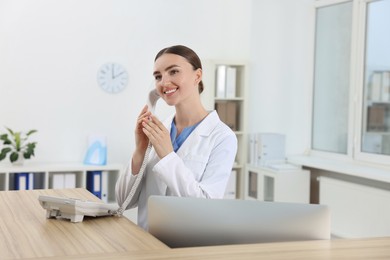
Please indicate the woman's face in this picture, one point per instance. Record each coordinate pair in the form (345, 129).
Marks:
(176, 80)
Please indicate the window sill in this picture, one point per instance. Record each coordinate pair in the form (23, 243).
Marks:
(351, 168)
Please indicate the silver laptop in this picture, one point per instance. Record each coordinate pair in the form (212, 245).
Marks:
(187, 222)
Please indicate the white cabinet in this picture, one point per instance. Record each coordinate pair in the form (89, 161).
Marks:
(287, 185)
(231, 105)
(45, 176)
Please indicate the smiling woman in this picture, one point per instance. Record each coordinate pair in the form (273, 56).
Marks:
(193, 151)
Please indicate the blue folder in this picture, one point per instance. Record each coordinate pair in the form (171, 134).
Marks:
(22, 181)
(94, 183)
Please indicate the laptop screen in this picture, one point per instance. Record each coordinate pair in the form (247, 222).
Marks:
(187, 222)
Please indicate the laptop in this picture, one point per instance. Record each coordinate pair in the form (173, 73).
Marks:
(188, 222)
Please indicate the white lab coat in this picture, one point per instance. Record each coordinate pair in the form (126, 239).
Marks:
(200, 168)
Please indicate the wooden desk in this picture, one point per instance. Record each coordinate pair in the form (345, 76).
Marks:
(25, 232)
(377, 248)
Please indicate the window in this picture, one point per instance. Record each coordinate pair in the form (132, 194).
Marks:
(351, 92)
(331, 78)
(375, 127)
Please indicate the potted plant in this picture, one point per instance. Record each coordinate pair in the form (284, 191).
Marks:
(15, 144)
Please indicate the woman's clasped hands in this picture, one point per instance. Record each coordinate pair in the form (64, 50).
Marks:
(151, 129)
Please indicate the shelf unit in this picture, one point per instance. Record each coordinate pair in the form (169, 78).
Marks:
(44, 172)
(239, 101)
(287, 185)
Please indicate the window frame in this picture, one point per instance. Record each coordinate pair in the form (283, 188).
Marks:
(356, 87)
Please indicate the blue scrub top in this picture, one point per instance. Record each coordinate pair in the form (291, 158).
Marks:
(178, 140)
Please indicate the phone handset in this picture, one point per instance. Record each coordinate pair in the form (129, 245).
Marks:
(152, 100)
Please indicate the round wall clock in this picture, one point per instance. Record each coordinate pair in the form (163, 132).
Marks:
(112, 77)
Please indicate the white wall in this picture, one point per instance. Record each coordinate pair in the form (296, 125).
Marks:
(281, 51)
(50, 52)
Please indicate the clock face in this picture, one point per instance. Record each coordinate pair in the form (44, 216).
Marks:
(112, 77)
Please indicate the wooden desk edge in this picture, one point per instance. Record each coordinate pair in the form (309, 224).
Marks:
(370, 248)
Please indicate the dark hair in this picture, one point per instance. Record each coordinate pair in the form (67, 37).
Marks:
(186, 53)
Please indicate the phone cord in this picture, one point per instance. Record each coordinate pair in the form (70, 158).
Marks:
(138, 179)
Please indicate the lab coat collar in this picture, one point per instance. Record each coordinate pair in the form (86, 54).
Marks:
(204, 129)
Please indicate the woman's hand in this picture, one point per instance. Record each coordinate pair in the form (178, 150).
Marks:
(141, 140)
(158, 135)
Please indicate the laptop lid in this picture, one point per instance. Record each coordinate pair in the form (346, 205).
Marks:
(186, 222)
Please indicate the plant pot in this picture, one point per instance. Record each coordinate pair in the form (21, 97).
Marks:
(19, 161)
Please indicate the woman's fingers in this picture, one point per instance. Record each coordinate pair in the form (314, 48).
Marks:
(158, 136)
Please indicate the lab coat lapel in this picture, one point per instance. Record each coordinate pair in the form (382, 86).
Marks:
(202, 130)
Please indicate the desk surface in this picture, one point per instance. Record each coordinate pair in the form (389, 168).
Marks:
(377, 248)
(25, 232)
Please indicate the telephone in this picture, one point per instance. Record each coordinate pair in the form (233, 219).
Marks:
(75, 209)
(152, 100)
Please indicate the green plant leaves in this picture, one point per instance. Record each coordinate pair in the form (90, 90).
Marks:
(4, 152)
(31, 132)
(10, 131)
(4, 138)
(15, 142)
(30, 150)
(14, 156)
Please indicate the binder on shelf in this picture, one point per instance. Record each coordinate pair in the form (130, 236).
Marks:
(226, 79)
(57, 181)
(69, 180)
(31, 181)
(24, 181)
(252, 148)
(220, 84)
(271, 148)
(104, 196)
(266, 148)
(231, 82)
(227, 112)
(94, 183)
(61, 180)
